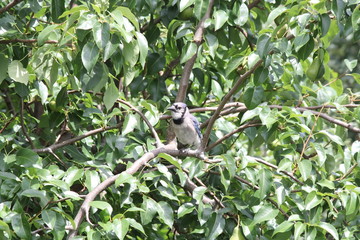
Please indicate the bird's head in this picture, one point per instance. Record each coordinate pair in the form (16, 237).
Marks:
(178, 110)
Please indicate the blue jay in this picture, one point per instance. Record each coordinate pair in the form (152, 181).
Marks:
(185, 125)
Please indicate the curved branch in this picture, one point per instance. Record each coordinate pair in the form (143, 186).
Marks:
(84, 209)
(10, 5)
(198, 37)
(154, 133)
(75, 139)
(226, 98)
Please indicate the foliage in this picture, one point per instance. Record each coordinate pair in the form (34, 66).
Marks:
(78, 78)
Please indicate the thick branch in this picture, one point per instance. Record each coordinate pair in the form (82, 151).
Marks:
(10, 5)
(226, 98)
(29, 41)
(84, 209)
(198, 37)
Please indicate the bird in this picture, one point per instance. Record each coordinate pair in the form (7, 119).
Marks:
(185, 125)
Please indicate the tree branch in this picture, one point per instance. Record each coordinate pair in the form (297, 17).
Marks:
(198, 37)
(240, 129)
(276, 168)
(75, 139)
(84, 209)
(23, 128)
(154, 133)
(29, 41)
(226, 98)
(10, 5)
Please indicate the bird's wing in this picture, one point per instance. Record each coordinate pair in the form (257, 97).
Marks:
(196, 125)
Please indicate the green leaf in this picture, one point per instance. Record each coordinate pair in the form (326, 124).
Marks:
(111, 95)
(263, 45)
(21, 226)
(220, 18)
(44, 34)
(124, 177)
(312, 200)
(37, 194)
(49, 218)
(355, 18)
(237, 234)
(150, 209)
(325, 24)
(101, 33)
(121, 227)
(166, 213)
(330, 229)
(129, 124)
(233, 64)
(184, 209)
(17, 72)
(89, 55)
(332, 137)
(57, 9)
(200, 8)
(265, 213)
(188, 52)
(198, 193)
(4, 63)
(241, 13)
(300, 41)
(274, 14)
(102, 205)
(268, 116)
(126, 12)
(283, 227)
(171, 160)
(143, 46)
(305, 168)
(26, 157)
(212, 43)
(216, 89)
(184, 4)
(92, 179)
(136, 225)
(253, 96)
(350, 64)
(216, 226)
(299, 229)
(265, 182)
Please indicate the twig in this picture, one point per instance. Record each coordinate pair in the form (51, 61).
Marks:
(226, 98)
(210, 192)
(73, 140)
(10, 5)
(348, 172)
(84, 209)
(307, 140)
(254, 4)
(198, 37)
(324, 116)
(29, 41)
(276, 168)
(240, 129)
(256, 188)
(152, 129)
(23, 128)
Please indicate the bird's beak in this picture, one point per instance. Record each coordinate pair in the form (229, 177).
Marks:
(172, 108)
